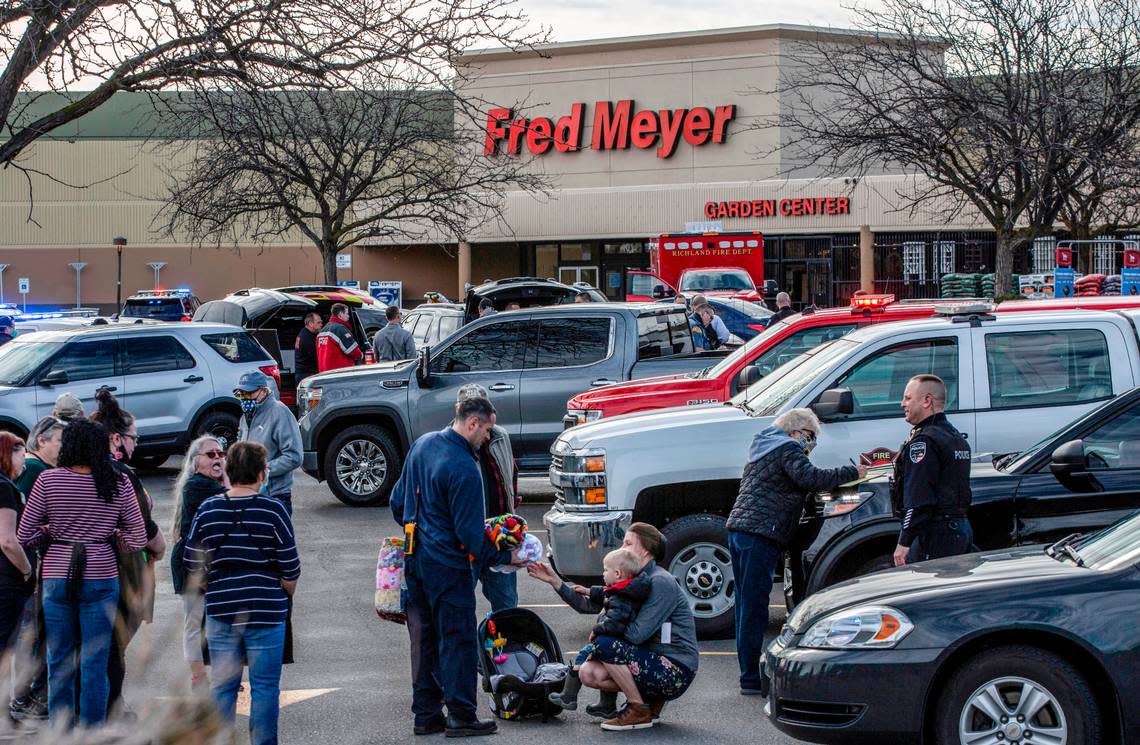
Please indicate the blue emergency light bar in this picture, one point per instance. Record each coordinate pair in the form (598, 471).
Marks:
(181, 291)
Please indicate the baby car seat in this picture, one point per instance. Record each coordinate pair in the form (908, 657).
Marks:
(521, 664)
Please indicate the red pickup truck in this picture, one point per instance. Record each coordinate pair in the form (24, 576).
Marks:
(778, 344)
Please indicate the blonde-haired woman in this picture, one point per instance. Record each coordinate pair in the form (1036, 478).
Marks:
(203, 475)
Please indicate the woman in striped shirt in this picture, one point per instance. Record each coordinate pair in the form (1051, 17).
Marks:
(81, 511)
(241, 545)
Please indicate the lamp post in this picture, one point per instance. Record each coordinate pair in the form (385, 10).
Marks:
(157, 267)
(78, 267)
(120, 244)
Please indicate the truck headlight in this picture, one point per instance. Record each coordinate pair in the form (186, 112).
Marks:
(865, 627)
(580, 477)
(585, 415)
(832, 505)
(308, 398)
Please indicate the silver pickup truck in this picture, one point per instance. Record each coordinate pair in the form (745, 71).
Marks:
(358, 423)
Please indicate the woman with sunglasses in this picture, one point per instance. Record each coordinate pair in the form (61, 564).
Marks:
(136, 569)
(203, 475)
(777, 480)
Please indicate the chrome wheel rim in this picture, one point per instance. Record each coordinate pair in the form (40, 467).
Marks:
(1012, 711)
(705, 573)
(361, 467)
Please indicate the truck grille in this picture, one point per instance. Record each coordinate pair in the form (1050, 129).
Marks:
(556, 462)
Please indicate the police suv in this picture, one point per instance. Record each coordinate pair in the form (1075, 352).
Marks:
(1011, 378)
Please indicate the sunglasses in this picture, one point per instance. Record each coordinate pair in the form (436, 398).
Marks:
(243, 395)
(213, 454)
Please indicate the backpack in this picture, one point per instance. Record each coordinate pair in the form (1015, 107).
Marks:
(520, 663)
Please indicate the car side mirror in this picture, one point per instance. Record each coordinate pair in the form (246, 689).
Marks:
(834, 402)
(750, 375)
(55, 377)
(1069, 458)
(423, 367)
(658, 292)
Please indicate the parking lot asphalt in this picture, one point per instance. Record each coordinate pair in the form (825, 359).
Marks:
(351, 681)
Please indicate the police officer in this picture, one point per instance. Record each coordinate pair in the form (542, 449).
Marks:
(932, 477)
(439, 501)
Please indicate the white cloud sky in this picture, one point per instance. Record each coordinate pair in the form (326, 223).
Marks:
(573, 20)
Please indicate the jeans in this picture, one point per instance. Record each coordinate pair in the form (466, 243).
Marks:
(262, 647)
(753, 562)
(500, 588)
(84, 627)
(445, 655)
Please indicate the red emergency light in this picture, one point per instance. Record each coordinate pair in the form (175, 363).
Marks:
(871, 302)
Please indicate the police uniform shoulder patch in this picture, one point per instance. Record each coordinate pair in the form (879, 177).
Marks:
(917, 451)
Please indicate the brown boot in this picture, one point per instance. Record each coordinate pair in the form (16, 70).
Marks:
(634, 716)
(655, 707)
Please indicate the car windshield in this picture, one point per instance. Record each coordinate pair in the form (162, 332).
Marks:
(18, 358)
(716, 279)
(768, 396)
(1115, 547)
(731, 360)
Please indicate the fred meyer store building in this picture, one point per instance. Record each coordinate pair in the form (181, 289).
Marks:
(639, 136)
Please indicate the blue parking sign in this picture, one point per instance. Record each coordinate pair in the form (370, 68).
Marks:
(1063, 278)
(1129, 281)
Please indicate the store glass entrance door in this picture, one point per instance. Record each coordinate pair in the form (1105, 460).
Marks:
(568, 275)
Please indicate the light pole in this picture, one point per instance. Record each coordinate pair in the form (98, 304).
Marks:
(157, 267)
(120, 244)
(2, 268)
(78, 267)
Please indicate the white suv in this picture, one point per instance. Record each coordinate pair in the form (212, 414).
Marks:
(1013, 378)
(176, 379)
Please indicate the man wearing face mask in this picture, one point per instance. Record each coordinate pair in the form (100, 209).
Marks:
(777, 481)
(267, 421)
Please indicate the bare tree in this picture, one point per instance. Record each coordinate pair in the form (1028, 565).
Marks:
(1002, 107)
(93, 49)
(341, 167)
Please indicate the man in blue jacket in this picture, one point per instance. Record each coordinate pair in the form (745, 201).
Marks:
(439, 500)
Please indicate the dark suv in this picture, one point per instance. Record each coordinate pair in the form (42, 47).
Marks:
(161, 305)
(358, 423)
(1080, 479)
(275, 318)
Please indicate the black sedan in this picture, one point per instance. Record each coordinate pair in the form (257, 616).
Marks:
(1028, 646)
(1079, 479)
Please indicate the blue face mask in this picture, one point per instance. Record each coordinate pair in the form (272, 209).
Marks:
(808, 442)
(248, 406)
(264, 490)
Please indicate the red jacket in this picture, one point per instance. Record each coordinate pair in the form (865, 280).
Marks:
(336, 347)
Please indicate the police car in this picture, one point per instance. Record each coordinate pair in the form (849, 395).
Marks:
(1012, 377)
(162, 305)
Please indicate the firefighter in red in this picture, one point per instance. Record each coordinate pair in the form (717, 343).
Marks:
(336, 346)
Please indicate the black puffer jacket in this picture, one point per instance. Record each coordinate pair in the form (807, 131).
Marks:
(775, 484)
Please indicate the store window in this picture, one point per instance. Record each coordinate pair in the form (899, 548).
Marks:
(546, 260)
(577, 252)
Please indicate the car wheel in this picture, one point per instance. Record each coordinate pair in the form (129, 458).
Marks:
(362, 464)
(696, 553)
(1018, 694)
(221, 425)
(148, 462)
(877, 564)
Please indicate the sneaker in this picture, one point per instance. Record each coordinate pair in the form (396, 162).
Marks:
(751, 692)
(28, 707)
(564, 702)
(634, 716)
(433, 727)
(473, 728)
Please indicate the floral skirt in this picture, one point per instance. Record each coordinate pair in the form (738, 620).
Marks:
(656, 675)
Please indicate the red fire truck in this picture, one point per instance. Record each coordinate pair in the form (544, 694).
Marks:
(716, 264)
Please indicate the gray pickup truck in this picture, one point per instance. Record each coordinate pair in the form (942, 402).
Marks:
(358, 423)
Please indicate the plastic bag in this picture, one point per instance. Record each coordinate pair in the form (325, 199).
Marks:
(389, 600)
(530, 550)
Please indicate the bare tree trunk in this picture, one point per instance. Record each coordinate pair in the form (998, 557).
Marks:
(1003, 265)
(328, 256)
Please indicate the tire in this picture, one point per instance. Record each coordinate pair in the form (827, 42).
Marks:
(369, 462)
(696, 553)
(219, 424)
(1070, 701)
(148, 462)
(876, 564)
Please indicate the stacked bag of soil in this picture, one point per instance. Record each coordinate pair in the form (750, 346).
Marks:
(960, 285)
(986, 285)
(1111, 285)
(1089, 285)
